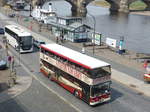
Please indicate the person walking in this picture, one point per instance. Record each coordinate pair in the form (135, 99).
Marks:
(12, 63)
(62, 38)
(9, 60)
(57, 39)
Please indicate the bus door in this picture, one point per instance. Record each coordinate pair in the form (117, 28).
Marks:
(86, 93)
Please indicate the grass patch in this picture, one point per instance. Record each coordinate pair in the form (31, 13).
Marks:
(138, 5)
(102, 3)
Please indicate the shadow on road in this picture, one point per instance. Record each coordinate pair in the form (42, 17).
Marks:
(115, 94)
(12, 105)
(35, 49)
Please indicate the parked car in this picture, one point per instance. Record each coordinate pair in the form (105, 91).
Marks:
(2, 31)
(11, 15)
(37, 43)
(3, 65)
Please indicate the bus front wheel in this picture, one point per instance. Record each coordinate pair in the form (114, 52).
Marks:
(50, 77)
(76, 93)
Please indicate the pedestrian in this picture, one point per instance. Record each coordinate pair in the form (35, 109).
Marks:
(57, 39)
(9, 60)
(12, 63)
(62, 38)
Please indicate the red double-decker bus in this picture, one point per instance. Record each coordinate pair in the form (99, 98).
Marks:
(86, 77)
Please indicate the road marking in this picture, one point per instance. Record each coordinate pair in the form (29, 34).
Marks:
(43, 84)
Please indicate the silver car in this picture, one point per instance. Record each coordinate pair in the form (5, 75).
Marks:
(3, 65)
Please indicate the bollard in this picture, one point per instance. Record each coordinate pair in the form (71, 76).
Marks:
(83, 50)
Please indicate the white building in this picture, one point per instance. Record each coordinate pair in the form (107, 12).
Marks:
(42, 14)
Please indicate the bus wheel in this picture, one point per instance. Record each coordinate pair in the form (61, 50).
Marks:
(76, 93)
(50, 77)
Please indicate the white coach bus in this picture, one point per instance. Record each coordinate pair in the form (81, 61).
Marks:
(18, 38)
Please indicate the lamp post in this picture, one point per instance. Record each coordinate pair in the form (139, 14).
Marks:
(30, 7)
(19, 54)
(93, 17)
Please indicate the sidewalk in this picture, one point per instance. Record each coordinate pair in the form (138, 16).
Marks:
(23, 81)
(4, 74)
(125, 69)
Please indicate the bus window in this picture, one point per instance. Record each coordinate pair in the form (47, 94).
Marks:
(100, 72)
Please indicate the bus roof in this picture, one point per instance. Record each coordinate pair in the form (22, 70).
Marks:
(74, 56)
(18, 30)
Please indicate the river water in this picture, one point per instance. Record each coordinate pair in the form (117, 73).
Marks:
(134, 28)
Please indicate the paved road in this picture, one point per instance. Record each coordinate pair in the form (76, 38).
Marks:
(39, 97)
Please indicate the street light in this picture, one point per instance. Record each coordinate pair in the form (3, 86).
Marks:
(93, 17)
(30, 7)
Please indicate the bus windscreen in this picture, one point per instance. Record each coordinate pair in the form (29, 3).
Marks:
(100, 89)
(26, 42)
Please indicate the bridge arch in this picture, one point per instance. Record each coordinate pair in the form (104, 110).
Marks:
(147, 2)
(78, 7)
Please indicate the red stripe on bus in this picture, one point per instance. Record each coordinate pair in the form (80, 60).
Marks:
(85, 66)
(69, 88)
(65, 86)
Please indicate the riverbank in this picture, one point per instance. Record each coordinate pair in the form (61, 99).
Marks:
(144, 13)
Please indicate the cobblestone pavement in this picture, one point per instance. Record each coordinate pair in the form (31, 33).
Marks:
(3, 80)
(9, 88)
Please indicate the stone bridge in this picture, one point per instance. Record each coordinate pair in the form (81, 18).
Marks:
(79, 6)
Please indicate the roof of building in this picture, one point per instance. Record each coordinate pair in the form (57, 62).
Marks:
(74, 56)
(70, 27)
(78, 24)
(69, 17)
